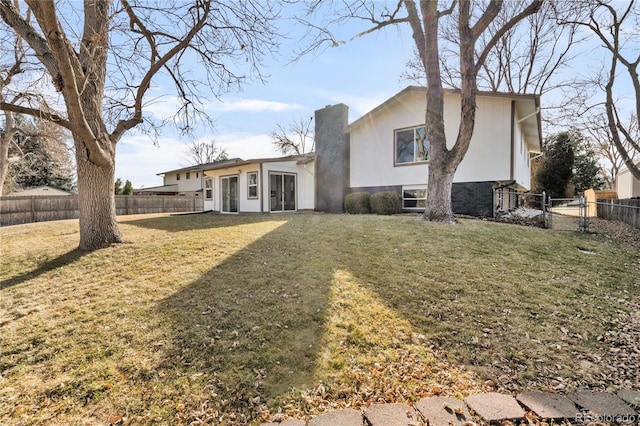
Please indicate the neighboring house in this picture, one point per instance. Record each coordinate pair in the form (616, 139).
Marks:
(386, 150)
(627, 185)
(39, 191)
(260, 185)
(184, 181)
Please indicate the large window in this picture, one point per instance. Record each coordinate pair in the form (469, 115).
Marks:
(252, 185)
(411, 145)
(414, 199)
(208, 189)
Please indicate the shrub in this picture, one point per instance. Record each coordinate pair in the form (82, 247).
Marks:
(386, 203)
(357, 203)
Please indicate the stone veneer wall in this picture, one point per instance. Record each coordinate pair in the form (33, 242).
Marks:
(472, 198)
(332, 158)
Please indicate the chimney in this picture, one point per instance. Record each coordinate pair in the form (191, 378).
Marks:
(332, 158)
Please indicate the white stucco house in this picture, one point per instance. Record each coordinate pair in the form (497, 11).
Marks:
(627, 186)
(263, 185)
(386, 149)
(183, 181)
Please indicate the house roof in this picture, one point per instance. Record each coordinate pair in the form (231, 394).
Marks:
(38, 191)
(199, 167)
(624, 169)
(299, 159)
(527, 107)
(162, 188)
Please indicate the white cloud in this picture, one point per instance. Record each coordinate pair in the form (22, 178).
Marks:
(255, 105)
(139, 160)
(247, 146)
(358, 105)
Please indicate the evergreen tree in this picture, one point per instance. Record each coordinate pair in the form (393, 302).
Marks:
(555, 171)
(117, 187)
(128, 188)
(39, 156)
(587, 173)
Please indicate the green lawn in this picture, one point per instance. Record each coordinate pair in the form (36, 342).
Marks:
(232, 319)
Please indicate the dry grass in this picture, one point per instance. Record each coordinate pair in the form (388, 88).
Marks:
(228, 319)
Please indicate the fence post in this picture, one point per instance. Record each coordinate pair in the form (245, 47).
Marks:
(33, 209)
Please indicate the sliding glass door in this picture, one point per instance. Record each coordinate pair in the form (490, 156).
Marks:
(229, 194)
(282, 187)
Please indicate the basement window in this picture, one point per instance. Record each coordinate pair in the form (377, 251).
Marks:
(414, 198)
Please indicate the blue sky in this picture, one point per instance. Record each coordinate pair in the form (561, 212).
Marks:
(360, 73)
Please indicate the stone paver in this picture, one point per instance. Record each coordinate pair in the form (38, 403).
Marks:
(288, 422)
(443, 411)
(631, 397)
(391, 415)
(601, 403)
(494, 406)
(548, 405)
(344, 417)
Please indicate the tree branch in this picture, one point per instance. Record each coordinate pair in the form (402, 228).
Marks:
(38, 113)
(533, 7)
(145, 83)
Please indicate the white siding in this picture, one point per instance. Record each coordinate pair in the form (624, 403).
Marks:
(372, 142)
(185, 185)
(626, 185)
(304, 185)
(521, 157)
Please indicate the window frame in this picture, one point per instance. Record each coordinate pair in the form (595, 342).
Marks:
(187, 175)
(210, 181)
(415, 160)
(420, 202)
(252, 185)
(177, 176)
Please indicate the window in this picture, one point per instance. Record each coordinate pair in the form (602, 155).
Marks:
(208, 189)
(197, 175)
(411, 145)
(188, 175)
(414, 199)
(177, 176)
(252, 185)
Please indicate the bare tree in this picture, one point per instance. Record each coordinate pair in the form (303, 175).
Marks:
(295, 138)
(598, 132)
(201, 152)
(101, 57)
(471, 22)
(617, 27)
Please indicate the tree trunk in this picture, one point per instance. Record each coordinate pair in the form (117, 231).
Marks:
(4, 159)
(439, 195)
(96, 202)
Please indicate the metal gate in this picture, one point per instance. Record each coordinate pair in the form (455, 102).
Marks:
(565, 214)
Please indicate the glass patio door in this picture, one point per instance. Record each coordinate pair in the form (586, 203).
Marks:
(229, 194)
(282, 188)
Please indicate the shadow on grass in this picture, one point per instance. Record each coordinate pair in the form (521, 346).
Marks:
(249, 329)
(189, 222)
(63, 260)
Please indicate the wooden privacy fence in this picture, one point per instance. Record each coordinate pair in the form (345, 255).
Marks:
(16, 210)
(627, 211)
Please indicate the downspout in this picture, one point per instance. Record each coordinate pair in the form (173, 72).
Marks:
(261, 190)
(513, 139)
(536, 112)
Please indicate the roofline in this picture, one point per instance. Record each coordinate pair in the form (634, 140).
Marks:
(261, 161)
(199, 167)
(409, 89)
(153, 188)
